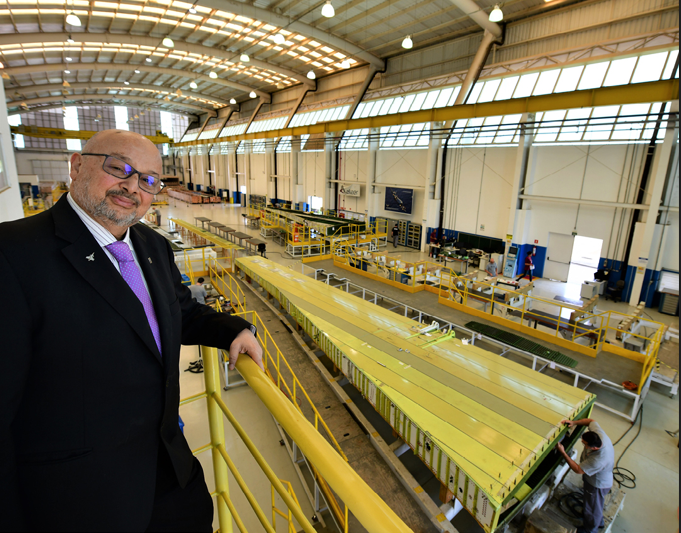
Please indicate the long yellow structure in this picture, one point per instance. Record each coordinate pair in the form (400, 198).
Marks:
(481, 423)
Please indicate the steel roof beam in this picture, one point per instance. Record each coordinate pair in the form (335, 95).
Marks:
(143, 40)
(28, 89)
(145, 101)
(655, 91)
(275, 19)
(52, 67)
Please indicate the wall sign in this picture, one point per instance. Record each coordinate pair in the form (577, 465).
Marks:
(350, 190)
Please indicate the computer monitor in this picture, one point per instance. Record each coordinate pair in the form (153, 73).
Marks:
(513, 250)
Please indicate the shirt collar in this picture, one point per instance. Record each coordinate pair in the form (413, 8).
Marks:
(102, 235)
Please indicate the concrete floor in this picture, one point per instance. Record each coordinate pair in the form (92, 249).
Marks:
(653, 457)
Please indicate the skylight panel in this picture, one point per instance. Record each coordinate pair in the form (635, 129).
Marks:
(406, 103)
(649, 67)
(359, 110)
(489, 91)
(431, 98)
(569, 78)
(507, 87)
(573, 128)
(376, 108)
(546, 83)
(443, 97)
(620, 71)
(525, 85)
(475, 93)
(671, 63)
(455, 94)
(418, 102)
(385, 108)
(367, 109)
(593, 75)
(549, 132)
(599, 128)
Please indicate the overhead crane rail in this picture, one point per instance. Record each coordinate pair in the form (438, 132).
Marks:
(60, 133)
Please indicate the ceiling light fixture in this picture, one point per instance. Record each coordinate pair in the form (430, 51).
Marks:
(345, 63)
(67, 72)
(407, 43)
(168, 42)
(137, 71)
(192, 10)
(68, 59)
(70, 39)
(72, 19)
(212, 75)
(244, 58)
(232, 101)
(311, 75)
(148, 60)
(279, 38)
(127, 82)
(66, 84)
(252, 94)
(327, 10)
(193, 85)
(496, 15)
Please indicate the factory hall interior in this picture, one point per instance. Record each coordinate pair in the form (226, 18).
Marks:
(339, 266)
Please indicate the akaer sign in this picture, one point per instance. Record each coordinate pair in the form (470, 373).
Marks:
(350, 190)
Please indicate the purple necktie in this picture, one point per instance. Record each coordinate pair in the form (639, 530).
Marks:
(133, 277)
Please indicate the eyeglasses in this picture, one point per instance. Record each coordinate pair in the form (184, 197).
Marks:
(122, 170)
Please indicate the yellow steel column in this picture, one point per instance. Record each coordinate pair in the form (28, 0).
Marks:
(217, 435)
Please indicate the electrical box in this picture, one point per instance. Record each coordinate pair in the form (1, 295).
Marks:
(511, 260)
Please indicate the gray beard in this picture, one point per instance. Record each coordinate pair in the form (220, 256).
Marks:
(103, 210)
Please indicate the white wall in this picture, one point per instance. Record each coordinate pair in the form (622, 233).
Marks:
(10, 199)
(608, 173)
(353, 168)
(401, 167)
(478, 186)
(312, 172)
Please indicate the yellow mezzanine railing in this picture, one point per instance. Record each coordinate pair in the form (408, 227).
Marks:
(277, 368)
(571, 325)
(372, 512)
(226, 285)
(222, 463)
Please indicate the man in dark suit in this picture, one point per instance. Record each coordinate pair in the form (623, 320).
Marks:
(91, 322)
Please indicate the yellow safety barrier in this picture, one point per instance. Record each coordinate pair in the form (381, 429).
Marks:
(371, 511)
(226, 285)
(289, 515)
(505, 306)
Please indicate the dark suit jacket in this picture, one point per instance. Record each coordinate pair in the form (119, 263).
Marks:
(86, 397)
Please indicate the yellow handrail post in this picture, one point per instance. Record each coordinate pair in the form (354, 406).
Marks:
(217, 435)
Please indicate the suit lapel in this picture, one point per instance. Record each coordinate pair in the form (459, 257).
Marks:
(92, 263)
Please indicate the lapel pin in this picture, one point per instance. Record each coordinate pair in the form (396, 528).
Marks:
(90, 257)
(149, 259)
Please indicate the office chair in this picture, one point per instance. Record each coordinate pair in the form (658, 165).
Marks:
(615, 293)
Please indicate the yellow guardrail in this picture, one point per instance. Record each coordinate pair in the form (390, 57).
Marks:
(226, 285)
(371, 511)
(289, 515)
(569, 323)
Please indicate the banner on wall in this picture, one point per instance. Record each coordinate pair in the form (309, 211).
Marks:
(350, 190)
(399, 200)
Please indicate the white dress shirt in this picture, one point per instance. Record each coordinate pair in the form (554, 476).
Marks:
(104, 237)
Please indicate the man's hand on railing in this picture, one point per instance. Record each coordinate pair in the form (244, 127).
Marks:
(245, 342)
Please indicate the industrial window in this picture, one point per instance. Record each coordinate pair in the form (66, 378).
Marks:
(71, 123)
(121, 114)
(15, 120)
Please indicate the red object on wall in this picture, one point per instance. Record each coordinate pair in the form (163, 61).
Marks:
(536, 241)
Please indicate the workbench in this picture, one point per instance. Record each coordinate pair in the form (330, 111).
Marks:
(241, 236)
(203, 221)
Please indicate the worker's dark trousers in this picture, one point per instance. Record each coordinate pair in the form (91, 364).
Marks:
(594, 500)
(395, 241)
(528, 272)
